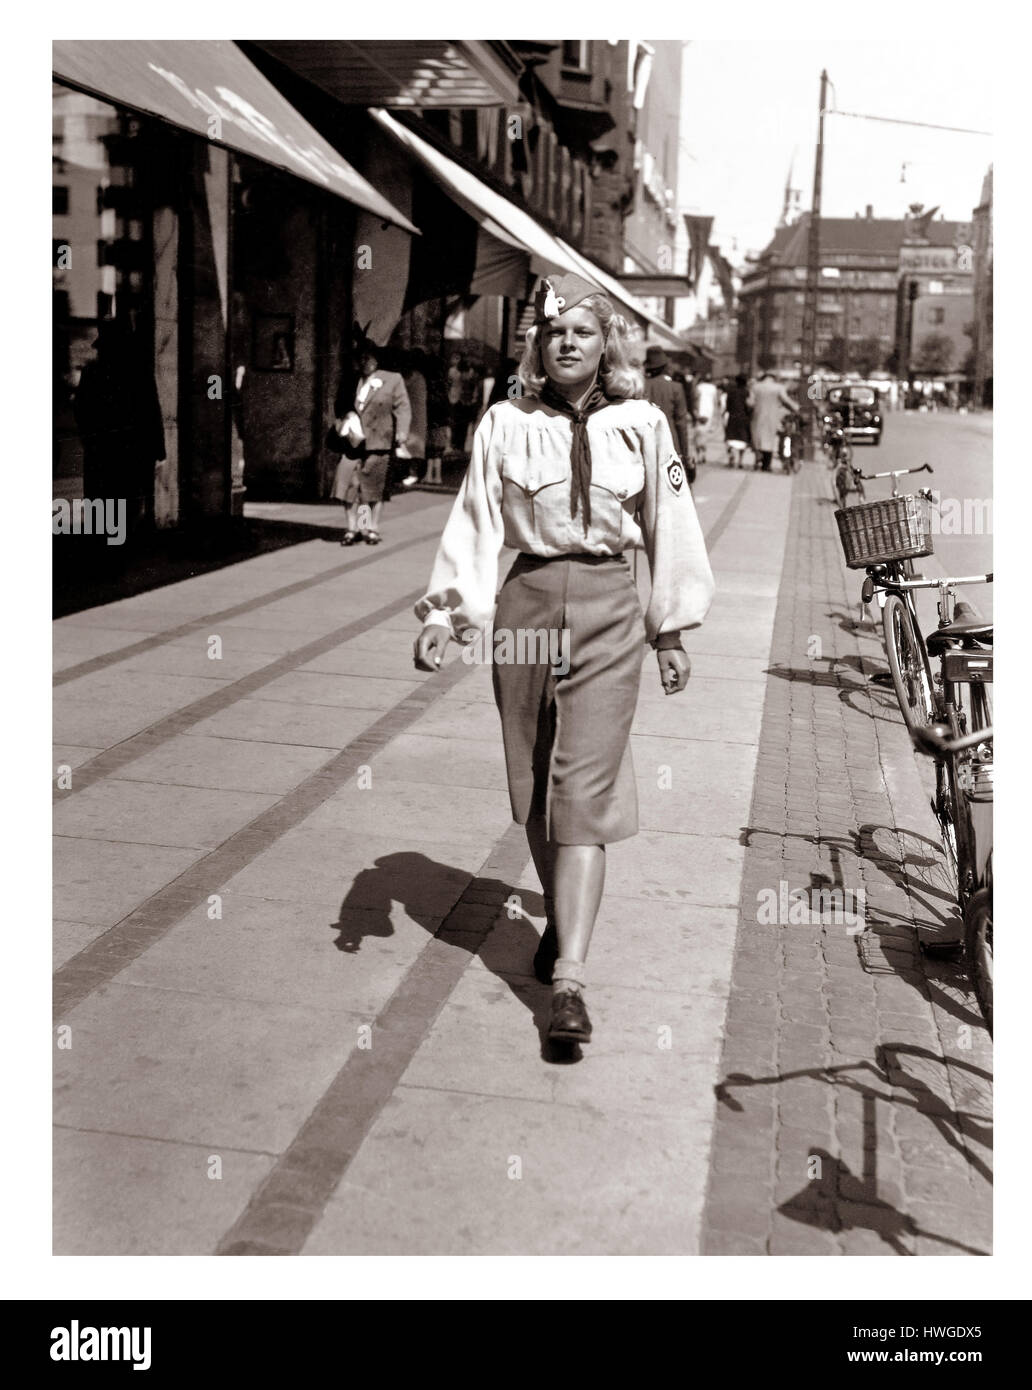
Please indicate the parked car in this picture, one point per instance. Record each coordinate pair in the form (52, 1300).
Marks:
(857, 410)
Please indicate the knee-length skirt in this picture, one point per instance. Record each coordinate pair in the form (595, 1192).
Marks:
(568, 643)
(361, 479)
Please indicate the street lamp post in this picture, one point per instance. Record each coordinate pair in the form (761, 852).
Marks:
(813, 263)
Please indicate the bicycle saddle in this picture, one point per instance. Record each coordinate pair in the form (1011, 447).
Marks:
(965, 625)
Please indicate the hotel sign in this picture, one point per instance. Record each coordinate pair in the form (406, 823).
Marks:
(932, 259)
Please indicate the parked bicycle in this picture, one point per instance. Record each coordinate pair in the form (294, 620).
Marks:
(790, 442)
(840, 457)
(948, 713)
(968, 759)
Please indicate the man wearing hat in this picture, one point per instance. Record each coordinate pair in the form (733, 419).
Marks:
(662, 390)
(384, 416)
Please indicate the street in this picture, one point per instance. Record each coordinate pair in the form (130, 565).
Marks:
(294, 922)
(960, 450)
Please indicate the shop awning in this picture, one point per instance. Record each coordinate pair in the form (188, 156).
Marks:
(654, 327)
(510, 224)
(498, 217)
(416, 72)
(212, 90)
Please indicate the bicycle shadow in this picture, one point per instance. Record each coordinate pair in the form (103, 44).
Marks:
(835, 1198)
(484, 915)
(881, 696)
(915, 867)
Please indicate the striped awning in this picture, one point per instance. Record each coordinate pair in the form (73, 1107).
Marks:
(509, 224)
(450, 73)
(211, 89)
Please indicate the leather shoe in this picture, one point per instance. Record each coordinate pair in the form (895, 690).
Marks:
(546, 955)
(569, 1021)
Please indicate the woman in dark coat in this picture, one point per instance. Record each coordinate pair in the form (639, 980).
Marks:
(737, 429)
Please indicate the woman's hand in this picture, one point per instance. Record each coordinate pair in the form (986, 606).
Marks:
(674, 670)
(428, 652)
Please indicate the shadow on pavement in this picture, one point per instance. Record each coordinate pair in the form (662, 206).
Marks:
(849, 691)
(836, 1199)
(411, 879)
(917, 869)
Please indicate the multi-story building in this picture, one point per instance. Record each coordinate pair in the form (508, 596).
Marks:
(856, 295)
(245, 209)
(868, 267)
(934, 299)
(983, 294)
(655, 246)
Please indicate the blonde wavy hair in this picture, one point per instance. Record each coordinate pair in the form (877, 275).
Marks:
(617, 373)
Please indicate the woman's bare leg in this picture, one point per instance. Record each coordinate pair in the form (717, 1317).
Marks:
(542, 851)
(579, 877)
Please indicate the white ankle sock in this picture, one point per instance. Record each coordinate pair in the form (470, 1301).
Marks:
(568, 975)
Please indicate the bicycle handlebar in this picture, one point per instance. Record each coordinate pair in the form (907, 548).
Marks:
(934, 740)
(946, 579)
(897, 472)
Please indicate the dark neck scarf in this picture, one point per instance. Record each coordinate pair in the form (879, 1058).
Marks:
(580, 453)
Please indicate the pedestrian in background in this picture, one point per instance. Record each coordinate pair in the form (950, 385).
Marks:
(737, 422)
(377, 427)
(662, 390)
(769, 401)
(705, 401)
(414, 379)
(118, 416)
(571, 474)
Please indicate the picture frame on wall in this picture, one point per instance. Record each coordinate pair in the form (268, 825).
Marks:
(272, 348)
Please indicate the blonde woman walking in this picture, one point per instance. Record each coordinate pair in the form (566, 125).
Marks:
(572, 474)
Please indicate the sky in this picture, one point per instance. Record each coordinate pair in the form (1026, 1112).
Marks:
(750, 107)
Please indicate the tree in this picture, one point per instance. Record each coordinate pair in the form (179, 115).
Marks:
(934, 354)
(866, 355)
(834, 355)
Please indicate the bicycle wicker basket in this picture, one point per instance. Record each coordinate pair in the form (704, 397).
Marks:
(893, 528)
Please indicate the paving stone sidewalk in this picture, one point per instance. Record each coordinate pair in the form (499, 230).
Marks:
(853, 1102)
(294, 1005)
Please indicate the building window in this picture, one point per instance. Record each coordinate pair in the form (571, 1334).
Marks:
(937, 316)
(575, 53)
(60, 200)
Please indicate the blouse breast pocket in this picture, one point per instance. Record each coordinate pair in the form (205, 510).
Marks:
(616, 485)
(532, 491)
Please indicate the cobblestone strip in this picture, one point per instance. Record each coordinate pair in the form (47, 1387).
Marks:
(852, 1109)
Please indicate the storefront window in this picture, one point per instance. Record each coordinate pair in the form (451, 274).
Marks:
(100, 258)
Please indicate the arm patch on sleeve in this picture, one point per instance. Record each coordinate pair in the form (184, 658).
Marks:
(675, 475)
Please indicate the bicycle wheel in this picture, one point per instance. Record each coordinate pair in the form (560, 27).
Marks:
(908, 664)
(978, 943)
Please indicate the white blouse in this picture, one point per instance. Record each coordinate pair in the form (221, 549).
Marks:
(516, 492)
